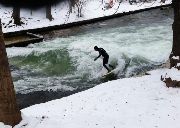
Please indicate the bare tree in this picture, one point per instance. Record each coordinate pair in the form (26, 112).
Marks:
(79, 5)
(9, 112)
(16, 15)
(72, 3)
(76, 3)
(48, 13)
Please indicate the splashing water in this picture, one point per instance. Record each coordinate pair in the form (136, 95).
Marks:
(68, 63)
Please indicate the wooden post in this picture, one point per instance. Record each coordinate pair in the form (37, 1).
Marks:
(9, 112)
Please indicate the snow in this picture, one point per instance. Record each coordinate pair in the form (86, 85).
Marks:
(173, 73)
(2, 125)
(178, 64)
(141, 102)
(91, 9)
(175, 57)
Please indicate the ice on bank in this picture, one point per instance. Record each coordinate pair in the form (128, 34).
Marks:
(140, 102)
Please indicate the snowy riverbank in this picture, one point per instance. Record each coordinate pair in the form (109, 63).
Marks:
(61, 15)
(142, 102)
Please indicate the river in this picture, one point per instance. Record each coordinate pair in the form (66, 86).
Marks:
(64, 64)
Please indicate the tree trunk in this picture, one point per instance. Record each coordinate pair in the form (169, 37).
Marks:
(176, 34)
(9, 112)
(16, 16)
(48, 13)
(71, 5)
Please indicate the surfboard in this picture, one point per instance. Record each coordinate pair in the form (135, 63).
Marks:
(109, 73)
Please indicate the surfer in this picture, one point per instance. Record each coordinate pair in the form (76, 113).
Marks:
(105, 57)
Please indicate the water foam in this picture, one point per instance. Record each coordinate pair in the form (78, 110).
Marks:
(132, 49)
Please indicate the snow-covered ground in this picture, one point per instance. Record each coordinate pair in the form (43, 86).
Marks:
(141, 102)
(61, 13)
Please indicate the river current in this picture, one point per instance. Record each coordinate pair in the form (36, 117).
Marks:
(136, 43)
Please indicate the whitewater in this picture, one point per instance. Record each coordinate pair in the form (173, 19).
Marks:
(135, 44)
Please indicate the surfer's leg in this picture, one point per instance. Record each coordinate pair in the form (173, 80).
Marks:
(106, 67)
(105, 61)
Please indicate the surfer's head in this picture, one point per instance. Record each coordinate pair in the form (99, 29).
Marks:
(96, 48)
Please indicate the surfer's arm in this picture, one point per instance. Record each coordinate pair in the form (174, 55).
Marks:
(97, 57)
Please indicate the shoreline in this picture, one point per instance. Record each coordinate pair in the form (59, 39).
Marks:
(83, 22)
(11, 36)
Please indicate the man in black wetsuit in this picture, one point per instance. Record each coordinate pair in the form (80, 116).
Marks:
(105, 57)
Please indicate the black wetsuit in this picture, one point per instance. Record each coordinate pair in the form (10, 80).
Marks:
(105, 58)
(105, 55)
